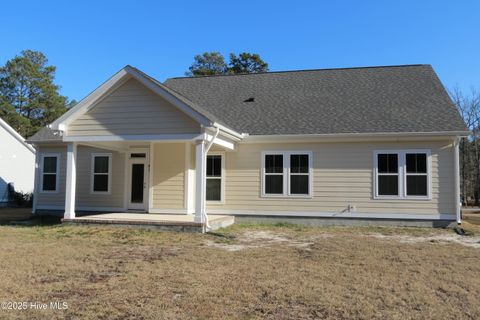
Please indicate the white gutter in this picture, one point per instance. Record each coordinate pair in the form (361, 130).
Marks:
(207, 148)
(230, 131)
(258, 138)
(456, 184)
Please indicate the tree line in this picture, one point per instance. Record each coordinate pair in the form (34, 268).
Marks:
(30, 99)
(469, 107)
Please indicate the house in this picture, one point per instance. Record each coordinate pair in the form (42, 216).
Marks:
(17, 162)
(376, 144)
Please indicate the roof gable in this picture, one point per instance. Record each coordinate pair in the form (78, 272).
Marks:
(118, 80)
(132, 109)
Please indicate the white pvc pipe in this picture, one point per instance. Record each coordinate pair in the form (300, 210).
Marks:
(456, 168)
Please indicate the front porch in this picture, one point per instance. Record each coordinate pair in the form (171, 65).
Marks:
(164, 222)
(163, 178)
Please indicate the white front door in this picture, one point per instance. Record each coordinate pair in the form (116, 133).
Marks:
(138, 180)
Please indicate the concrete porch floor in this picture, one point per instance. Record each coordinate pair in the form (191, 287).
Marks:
(167, 222)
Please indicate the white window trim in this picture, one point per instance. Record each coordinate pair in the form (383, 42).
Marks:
(92, 173)
(222, 178)
(57, 174)
(402, 174)
(286, 174)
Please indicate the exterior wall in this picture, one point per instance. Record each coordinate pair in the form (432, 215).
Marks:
(17, 164)
(133, 109)
(56, 199)
(84, 199)
(168, 176)
(342, 175)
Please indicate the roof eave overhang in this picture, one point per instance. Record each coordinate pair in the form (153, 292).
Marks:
(441, 135)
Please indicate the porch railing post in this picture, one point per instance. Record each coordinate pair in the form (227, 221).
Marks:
(200, 184)
(71, 181)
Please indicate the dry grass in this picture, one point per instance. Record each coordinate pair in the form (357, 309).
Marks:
(278, 272)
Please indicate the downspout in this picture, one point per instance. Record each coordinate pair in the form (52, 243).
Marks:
(456, 168)
(207, 148)
(36, 179)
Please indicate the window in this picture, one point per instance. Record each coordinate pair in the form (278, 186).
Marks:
(49, 175)
(274, 174)
(416, 174)
(101, 173)
(402, 174)
(214, 178)
(287, 173)
(299, 174)
(388, 174)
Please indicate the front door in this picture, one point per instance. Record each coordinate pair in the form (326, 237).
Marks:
(138, 181)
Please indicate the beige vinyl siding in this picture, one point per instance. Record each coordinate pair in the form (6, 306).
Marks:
(168, 176)
(133, 109)
(84, 175)
(83, 196)
(56, 199)
(343, 175)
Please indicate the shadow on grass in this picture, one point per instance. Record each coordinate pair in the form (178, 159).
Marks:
(33, 221)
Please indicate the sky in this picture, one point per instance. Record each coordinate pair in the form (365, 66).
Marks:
(88, 41)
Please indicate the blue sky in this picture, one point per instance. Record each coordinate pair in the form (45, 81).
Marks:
(88, 41)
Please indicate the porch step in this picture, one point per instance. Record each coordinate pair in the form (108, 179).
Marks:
(180, 223)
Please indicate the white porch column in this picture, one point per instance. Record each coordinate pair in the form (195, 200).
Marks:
(71, 181)
(200, 183)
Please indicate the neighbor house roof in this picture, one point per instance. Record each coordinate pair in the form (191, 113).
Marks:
(392, 99)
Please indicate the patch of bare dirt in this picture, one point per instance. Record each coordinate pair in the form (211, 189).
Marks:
(468, 241)
(260, 239)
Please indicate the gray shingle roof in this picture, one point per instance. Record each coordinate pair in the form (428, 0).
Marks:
(407, 98)
(45, 135)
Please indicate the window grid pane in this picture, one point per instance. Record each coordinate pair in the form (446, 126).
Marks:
(101, 164)
(100, 183)
(299, 163)
(416, 162)
(213, 192)
(50, 165)
(274, 184)
(387, 162)
(274, 163)
(214, 166)
(299, 184)
(388, 185)
(49, 182)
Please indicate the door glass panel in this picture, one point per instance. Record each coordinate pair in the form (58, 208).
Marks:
(137, 182)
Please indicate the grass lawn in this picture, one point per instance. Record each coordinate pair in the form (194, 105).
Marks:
(244, 272)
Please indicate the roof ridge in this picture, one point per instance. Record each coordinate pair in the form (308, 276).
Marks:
(303, 70)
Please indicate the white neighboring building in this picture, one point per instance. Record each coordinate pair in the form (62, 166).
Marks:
(17, 162)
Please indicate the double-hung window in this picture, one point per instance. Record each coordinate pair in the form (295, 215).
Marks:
(402, 174)
(215, 178)
(287, 173)
(101, 179)
(49, 173)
